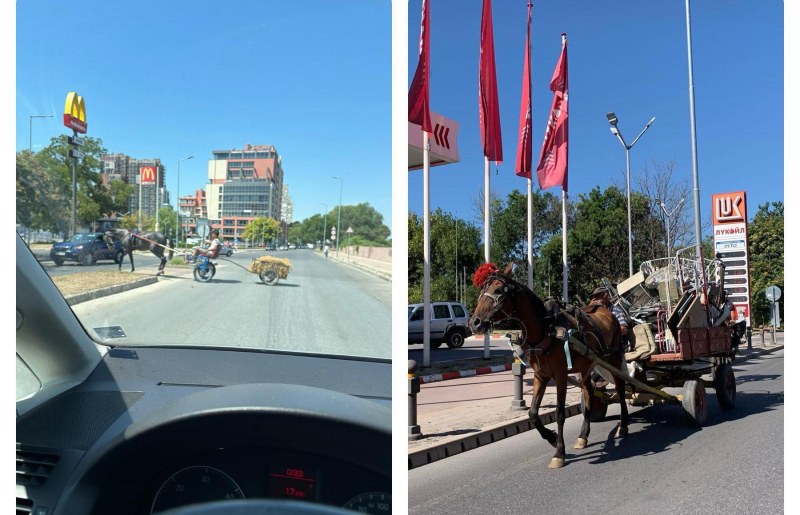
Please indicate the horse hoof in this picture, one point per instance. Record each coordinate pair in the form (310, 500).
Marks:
(556, 463)
(580, 443)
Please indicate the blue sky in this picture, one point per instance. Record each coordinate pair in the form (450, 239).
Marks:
(629, 57)
(180, 78)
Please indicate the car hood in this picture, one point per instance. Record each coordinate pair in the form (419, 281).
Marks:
(67, 245)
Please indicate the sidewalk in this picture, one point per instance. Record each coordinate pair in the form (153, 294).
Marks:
(374, 266)
(461, 414)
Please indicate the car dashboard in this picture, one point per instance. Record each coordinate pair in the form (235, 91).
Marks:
(153, 429)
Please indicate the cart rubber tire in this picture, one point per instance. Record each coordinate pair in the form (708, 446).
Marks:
(455, 339)
(725, 386)
(204, 276)
(87, 258)
(598, 409)
(694, 401)
(269, 277)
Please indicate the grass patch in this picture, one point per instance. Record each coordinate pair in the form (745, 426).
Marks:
(73, 284)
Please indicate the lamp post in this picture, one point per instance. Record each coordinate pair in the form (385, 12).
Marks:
(324, 225)
(339, 222)
(612, 119)
(178, 200)
(30, 128)
(668, 214)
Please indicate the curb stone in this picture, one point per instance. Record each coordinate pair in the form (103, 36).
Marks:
(497, 432)
(110, 290)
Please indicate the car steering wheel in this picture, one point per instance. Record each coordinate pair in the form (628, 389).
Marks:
(257, 507)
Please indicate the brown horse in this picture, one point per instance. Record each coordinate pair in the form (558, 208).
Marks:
(155, 242)
(503, 298)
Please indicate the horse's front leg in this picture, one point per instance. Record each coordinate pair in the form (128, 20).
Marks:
(162, 265)
(619, 385)
(539, 387)
(131, 257)
(561, 415)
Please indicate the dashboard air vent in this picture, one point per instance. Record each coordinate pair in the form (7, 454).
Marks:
(33, 468)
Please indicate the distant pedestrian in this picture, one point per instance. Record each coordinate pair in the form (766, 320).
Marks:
(325, 250)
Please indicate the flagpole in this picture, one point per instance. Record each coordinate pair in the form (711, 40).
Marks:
(565, 268)
(426, 281)
(487, 231)
(530, 233)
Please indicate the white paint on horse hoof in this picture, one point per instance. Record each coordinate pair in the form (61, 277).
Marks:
(556, 463)
(580, 443)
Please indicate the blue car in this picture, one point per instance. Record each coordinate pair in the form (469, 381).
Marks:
(85, 249)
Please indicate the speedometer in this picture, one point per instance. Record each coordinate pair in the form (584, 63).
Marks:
(371, 502)
(196, 484)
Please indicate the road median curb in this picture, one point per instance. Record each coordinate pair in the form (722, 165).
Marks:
(110, 290)
(432, 378)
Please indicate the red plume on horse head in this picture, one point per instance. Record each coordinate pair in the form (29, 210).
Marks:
(483, 273)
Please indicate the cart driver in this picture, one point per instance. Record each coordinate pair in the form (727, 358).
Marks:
(211, 250)
(600, 297)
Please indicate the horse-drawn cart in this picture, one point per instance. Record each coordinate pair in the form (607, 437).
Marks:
(681, 337)
(270, 269)
(681, 332)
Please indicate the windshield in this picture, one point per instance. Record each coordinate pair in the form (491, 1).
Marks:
(167, 126)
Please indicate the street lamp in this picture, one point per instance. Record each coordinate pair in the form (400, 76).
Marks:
(324, 225)
(30, 128)
(668, 214)
(612, 119)
(178, 200)
(339, 222)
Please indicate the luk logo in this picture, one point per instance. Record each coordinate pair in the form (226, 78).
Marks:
(727, 209)
(75, 113)
(148, 174)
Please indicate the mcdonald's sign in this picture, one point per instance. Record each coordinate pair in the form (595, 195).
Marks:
(147, 174)
(75, 113)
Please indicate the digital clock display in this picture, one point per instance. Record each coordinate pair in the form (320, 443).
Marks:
(291, 483)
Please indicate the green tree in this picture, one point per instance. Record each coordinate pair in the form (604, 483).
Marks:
(455, 248)
(366, 222)
(765, 235)
(261, 230)
(92, 197)
(42, 202)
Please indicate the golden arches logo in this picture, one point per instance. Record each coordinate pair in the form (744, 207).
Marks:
(148, 174)
(75, 112)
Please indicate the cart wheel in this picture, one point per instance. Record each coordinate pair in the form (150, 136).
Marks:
(269, 277)
(725, 386)
(598, 408)
(205, 276)
(694, 401)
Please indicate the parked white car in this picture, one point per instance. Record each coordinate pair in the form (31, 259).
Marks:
(448, 324)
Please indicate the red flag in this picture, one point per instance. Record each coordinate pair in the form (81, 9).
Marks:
(524, 146)
(489, 107)
(419, 95)
(552, 169)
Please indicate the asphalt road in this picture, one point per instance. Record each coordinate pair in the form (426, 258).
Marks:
(733, 465)
(322, 307)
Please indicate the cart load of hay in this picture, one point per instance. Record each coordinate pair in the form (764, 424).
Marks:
(264, 263)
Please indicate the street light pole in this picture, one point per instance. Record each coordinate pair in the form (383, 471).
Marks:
(339, 222)
(612, 119)
(178, 201)
(324, 226)
(30, 128)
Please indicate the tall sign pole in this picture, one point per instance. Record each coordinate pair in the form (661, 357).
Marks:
(75, 119)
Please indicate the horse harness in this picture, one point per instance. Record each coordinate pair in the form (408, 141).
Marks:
(556, 311)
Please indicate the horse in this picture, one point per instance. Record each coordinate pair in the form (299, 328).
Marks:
(155, 242)
(501, 298)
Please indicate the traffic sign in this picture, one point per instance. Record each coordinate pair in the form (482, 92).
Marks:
(349, 230)
(76, 141)
(75, 153)
(773, 293)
